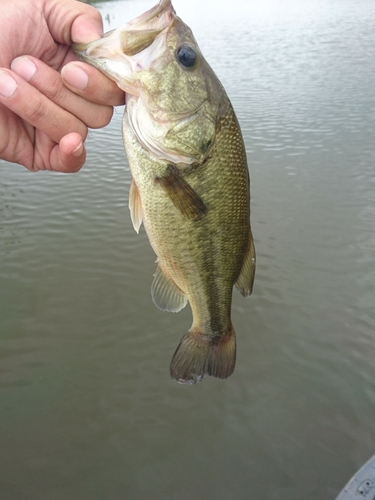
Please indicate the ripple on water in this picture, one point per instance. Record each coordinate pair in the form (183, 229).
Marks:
(84, 354)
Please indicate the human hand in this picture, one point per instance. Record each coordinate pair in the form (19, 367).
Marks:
(43, 123)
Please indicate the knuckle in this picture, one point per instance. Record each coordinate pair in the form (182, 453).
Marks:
(101, 118)
(82, 130)
(38, 164)
(102, 90)
(54, 90)
(91, 11)
(36, 112)
(96, 15)
(76, 168)
(72, 166)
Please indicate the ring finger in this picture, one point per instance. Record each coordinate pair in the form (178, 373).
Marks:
(49, 83)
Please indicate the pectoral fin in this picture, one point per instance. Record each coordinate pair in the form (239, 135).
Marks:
(182, 194)
(246, 278)
(166, 294)
(135, 206)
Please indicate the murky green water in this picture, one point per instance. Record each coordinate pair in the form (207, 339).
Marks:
(87, 409)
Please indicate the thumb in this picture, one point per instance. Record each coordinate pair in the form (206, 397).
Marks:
(72, 21)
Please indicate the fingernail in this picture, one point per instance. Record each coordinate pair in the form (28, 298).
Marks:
(75, 77)
(7, 84)
(24, 67)
(77, 151)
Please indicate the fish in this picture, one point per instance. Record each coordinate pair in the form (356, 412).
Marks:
(190, 182)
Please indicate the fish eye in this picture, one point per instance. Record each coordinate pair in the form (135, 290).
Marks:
(186, 56)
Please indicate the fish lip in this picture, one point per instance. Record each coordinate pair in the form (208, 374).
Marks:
(157, 19)
(150, 14)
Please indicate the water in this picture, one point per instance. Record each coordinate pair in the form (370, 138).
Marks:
(87, 409)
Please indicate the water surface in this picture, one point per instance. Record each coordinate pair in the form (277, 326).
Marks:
(87, 409)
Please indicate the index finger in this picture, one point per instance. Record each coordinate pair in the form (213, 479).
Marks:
(90, 83)
(37, 110)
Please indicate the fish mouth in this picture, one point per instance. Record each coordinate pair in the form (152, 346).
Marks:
(112, 54)
(155, 15)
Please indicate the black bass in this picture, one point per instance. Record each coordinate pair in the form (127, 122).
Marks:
(190, 181)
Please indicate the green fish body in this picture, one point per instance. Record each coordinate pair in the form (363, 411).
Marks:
(190, 181)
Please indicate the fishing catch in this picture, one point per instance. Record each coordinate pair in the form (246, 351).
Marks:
(190, 181)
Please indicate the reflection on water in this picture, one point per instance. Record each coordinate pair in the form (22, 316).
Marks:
(87, 409)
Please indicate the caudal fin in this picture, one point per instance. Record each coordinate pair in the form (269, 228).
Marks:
(200, 354)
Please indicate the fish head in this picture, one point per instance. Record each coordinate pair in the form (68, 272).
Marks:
(173, 96)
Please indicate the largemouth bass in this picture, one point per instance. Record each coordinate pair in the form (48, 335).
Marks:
(190, 181)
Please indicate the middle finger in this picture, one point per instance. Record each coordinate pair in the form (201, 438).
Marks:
(48, 81)
(37, 110)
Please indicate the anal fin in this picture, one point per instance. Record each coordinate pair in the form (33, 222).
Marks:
(166, 294)
(182, 194)
(245, 280)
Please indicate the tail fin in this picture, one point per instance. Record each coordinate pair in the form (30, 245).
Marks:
(199, 354)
